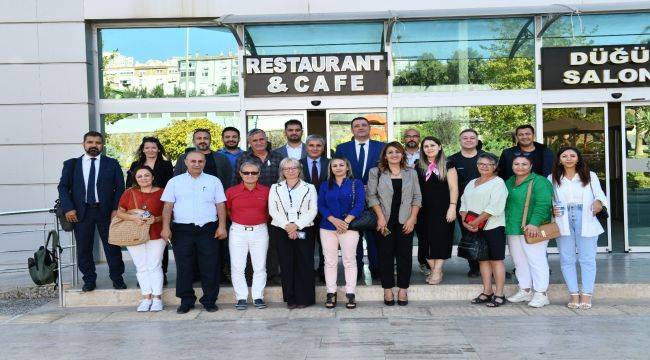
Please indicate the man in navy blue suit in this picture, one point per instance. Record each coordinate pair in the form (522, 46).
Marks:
(90, 189)
(363, 155)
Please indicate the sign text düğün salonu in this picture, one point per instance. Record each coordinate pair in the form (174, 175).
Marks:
(338, 74)
(595, 67)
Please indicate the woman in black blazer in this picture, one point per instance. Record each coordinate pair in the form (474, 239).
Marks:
(152, 154)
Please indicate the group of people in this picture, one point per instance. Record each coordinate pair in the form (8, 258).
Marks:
(274, 206)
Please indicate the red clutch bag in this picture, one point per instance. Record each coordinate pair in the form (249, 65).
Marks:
(471, 216)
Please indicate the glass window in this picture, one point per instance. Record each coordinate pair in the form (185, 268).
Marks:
(340, 126)
(273, 126)
(637, 145)
(495, 124)
(460, 55)
(162, 62)
(598, 29)
(288, 39)
(124, 132)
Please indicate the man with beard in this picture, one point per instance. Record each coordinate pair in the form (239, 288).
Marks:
(465, 162)
(540, 155)
(412, 146)
(90, 189)
(230, 138)
(216, 163)
(269, 163)
(294, 148)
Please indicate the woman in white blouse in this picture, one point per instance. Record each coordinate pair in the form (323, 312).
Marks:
(483, 209)
(293, 205)
(578, 197)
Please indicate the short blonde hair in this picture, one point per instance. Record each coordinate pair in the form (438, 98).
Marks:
(289, 161)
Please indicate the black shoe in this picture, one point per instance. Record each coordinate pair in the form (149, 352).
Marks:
(351, 303)
(472, 273)
(330, 302)
(119, 284)
(164, 279)
(390, 302)
(184, 308)
(241, 304)
(89, 286)
(211, 308)
(259, 303)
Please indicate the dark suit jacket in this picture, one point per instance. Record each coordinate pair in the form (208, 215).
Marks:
(282, 150)
(224, 170)
(306, 169)
(162, 172)
(347, 150)
(72, 189)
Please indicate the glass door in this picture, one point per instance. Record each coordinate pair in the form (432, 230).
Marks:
(272, 122)
(636, 167)
(339, 120)
(583, 127)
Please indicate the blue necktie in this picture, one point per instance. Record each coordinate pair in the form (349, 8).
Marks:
(90, 189)
(362, 158)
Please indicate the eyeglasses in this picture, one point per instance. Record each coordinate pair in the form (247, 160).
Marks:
(290, 168)
(250, 173)
(485, 164)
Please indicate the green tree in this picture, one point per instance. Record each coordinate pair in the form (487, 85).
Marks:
(234, 87)
(222, 89)
(639, 117)
(177, 136)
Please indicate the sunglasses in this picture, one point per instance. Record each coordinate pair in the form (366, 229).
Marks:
(250, 173)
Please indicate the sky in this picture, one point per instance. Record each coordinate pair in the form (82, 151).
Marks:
(163, 43)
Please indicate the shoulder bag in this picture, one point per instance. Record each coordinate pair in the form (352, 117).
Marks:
(473, 246)
(602, 214)
(367, 220)
(546, 231)
(127, 232)
(43, 267)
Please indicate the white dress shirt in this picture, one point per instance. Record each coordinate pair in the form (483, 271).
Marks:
(294, 152)
(194, 199)
(572, 189)
(357, 146)
(85, 167)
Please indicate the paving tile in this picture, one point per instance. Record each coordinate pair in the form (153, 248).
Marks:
(549, 310)
(636, 310)
(223, 314)
(82, 317)
(500, 311)
(36, 318)
(127, 316)
(312, 312)
(359, 312)
(268, 313)
(171, 315)
(600, 310)
(444, 311)
(346, 353)
(405, 311)
(5, 318)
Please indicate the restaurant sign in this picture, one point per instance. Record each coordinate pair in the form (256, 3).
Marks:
(595, 67)
(309, 75)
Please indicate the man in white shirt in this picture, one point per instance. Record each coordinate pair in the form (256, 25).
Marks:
(294, 148)
(412, 145)
(197, 201)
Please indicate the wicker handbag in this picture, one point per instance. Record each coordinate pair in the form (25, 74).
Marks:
(126, 232)
(546, 231)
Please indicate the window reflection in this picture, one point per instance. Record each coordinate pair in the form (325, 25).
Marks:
(273, 126)
(460, 55)
(598, 29)
(124, 132)
(168, 62)
(340, 127)
(495, 124)
(288, 39)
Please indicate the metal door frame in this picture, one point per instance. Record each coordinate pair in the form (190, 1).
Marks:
(624, 105)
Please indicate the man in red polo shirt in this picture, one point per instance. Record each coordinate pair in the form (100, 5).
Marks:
(247, 205)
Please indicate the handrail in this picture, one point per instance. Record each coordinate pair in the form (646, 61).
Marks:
(57, 227)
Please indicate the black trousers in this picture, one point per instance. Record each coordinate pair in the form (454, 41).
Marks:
(188, 239)
(395, 247)
(272, 261)
(296, 265)
(84, 232)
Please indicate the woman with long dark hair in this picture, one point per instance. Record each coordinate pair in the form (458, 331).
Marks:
(151, 153)
(394, 195)
(578, 197)
(439, 186)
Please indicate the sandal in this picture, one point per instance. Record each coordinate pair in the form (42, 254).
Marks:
(482, 300)
(351, 303)
(496, 301)
(435, 278)
(584, 305)
(330, 303)
(573, 305)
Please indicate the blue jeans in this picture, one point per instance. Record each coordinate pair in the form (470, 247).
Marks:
(587, 247)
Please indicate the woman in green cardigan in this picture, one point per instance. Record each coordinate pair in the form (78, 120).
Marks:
(530, 260)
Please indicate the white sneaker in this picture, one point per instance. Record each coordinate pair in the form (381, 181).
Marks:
(521, 296)
(156, 305)
(145, 305)
(539, 300)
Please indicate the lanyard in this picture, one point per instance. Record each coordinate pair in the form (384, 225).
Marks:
(289, 190)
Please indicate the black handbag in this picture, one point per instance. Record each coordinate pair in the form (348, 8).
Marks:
(367, 220)
(603, 214)
(473, 246)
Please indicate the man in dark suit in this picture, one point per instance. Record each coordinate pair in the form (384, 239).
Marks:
(90, 189)
(294, 148)
(216, 163)
(363, 154)
(315, 167)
